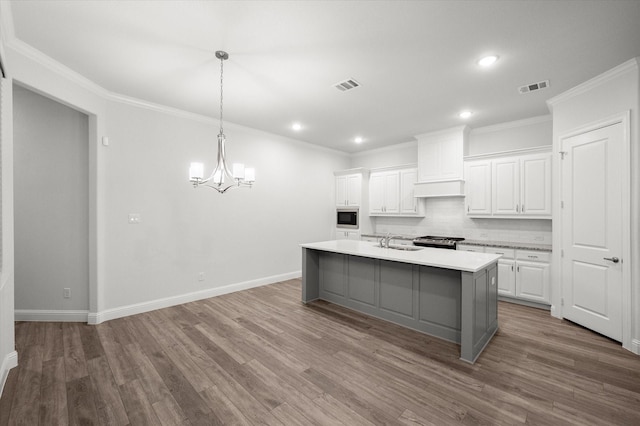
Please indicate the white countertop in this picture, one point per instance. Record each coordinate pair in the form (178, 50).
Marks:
(427, 256)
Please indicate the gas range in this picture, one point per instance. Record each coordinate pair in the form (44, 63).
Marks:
(438, 242)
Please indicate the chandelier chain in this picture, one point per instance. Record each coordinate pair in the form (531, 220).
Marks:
(221, 93)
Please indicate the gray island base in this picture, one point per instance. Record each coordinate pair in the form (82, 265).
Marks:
(444, 293)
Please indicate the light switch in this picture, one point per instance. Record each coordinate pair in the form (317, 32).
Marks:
(134, 218)
(105, 141)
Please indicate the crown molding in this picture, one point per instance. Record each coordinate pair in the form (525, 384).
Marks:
(512, 124)
(631, 65)
(56, 67)
(462, 129)
(7, 30)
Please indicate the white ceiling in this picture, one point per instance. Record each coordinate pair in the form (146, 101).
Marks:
(415, 60)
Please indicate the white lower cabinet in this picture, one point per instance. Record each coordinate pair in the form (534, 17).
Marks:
(532, 275)
(342, 234)
(522, 274)
(506, 270)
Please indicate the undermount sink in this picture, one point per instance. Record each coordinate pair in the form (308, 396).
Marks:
(402, 247)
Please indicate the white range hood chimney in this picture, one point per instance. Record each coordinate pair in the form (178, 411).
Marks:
(440, 163)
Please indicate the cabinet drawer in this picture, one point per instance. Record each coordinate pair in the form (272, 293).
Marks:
(534, 256)
(468, 247)
(506, 253)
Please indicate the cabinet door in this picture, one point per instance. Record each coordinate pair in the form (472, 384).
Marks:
(506, 186)
(532, 280)
(507, 277)
(392, 192)
(354, 188)
(341, 191)
(535, 189)
(408, 203)
(376, 193)
(478, 188)
(468, 247)
(341, 234)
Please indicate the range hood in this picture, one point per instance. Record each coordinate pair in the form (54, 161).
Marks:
(443, 188)
(440, 163)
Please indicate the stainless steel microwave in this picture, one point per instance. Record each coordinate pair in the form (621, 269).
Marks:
(347, 218)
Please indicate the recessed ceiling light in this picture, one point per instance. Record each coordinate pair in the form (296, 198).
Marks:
(358, 139)
(465, 114)
(487, 61)
(296, 126)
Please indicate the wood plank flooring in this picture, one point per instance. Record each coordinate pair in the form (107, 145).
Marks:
(261, 357)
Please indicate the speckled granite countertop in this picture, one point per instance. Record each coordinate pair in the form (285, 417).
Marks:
(511, 245)
(483, 243)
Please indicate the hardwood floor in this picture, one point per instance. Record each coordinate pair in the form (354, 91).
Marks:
(261, 357)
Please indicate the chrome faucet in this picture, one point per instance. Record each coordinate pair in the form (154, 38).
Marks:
(384, 241)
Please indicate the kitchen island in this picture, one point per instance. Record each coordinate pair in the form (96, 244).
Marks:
(445, 293)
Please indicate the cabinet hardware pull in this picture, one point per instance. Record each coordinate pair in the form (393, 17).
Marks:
(518, 269)
(467, 208)
(532, 257)
(511, 268)
(517, 208)
(523, 208)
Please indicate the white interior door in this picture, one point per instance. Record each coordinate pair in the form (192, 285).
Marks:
(592, 230)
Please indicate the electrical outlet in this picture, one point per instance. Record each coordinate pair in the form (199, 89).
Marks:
(134, 218)
(66, 293)
(201, 276)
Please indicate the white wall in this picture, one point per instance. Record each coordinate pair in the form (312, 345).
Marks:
(8, 354)
(243, 238)
(611, 94)
(394, 155)
(237, 237)
(521, 134)
(51, 202)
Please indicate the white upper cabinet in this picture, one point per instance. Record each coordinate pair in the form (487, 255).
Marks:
(408, 203)
(391, 193)
(348, 190)
(535, 185)
(384, 189)
(506, 186)
(519, 186)
(478, 187)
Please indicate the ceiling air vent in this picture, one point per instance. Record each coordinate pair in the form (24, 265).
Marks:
(347, 85)
(533, 87)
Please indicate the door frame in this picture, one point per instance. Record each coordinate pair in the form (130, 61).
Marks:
(623, 118)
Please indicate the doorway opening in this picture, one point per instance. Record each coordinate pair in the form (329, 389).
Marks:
(51, 209)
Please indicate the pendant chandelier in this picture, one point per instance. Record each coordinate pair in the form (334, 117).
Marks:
(239, 175)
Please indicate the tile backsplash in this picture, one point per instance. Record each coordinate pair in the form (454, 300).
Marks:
(446, 216)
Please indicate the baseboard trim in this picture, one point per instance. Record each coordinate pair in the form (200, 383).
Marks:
(10, 361)
(635, 346)
(152, 305)
(529, 303)
(50, 316)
